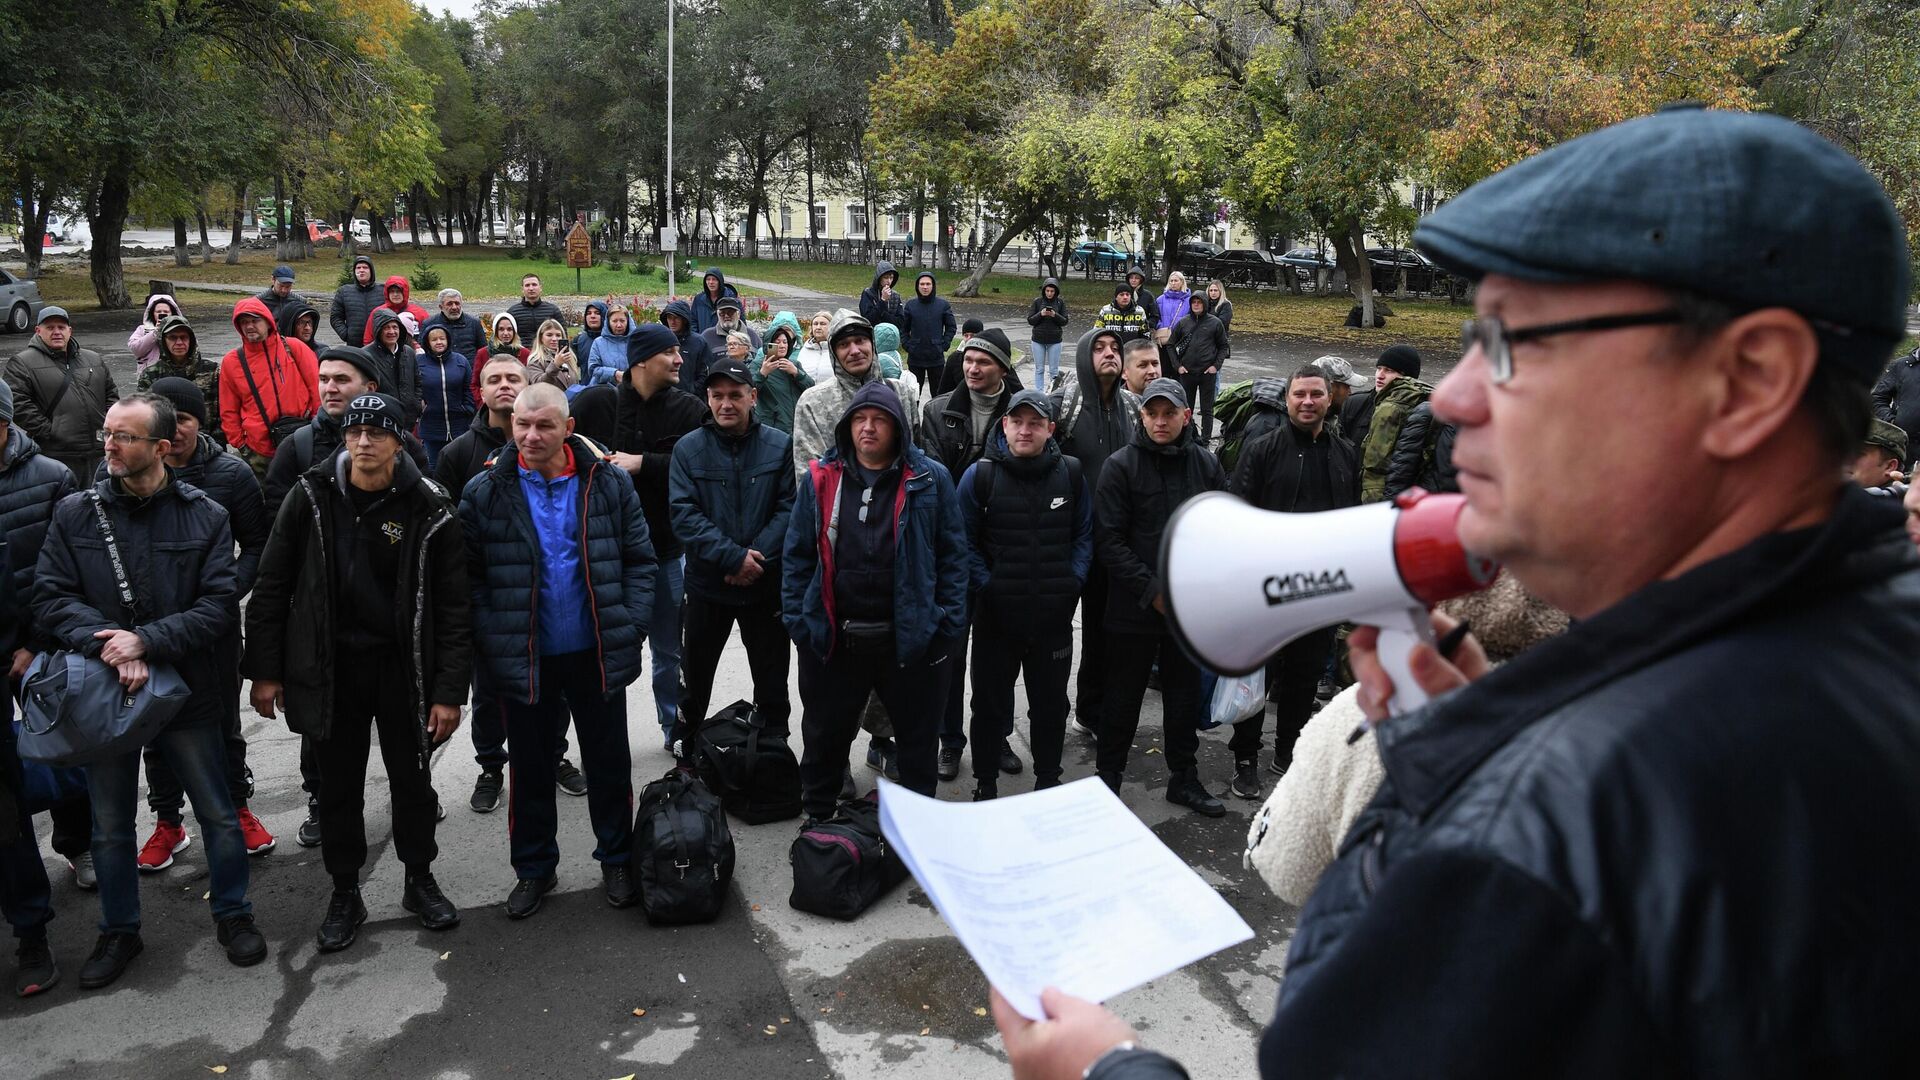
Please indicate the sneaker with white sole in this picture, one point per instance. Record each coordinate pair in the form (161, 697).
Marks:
(157, 853)
(83, 875)
(259, 840)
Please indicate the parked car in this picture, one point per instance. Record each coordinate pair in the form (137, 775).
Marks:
(1101, 256)
(319, 232)
(1244, 266)
(362, 232)
(1306, 262)
(20, 300)
(1196, 253)
(1422, 275)
(73, 232)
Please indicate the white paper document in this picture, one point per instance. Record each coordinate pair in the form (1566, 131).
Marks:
(1063, 887)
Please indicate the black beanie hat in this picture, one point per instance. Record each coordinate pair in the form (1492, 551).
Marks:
(186, 397)
(381, 411)
(972, 326)
(1404, 359)
(649, 340)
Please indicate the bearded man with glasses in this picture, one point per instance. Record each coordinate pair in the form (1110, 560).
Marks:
(1675, 840)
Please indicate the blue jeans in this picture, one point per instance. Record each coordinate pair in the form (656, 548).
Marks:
(197, 751)
(1046, 364)
(663, 633)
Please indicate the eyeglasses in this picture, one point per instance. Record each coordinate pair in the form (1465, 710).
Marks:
(124, 438)
(1497, 339)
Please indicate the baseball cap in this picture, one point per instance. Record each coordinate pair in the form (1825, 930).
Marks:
(1032, 399)
(283, 272)
(726, 302)
(381, 411)
(730, 368)
(1165, 388)
(1748, 208)
(1340, 370)
(54, 311)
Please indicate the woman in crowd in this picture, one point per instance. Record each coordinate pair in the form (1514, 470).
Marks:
(144, 342)
(815, 358)
(505, 339)
(447, 409)
(1048, 316)
(781, 380)
(551, 360)
(606, 359)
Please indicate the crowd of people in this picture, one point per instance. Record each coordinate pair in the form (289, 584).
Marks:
(511, 514)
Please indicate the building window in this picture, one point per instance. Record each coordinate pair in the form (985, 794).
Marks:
(786, 221)
(819, 221)
(901, 224)
(857, 220)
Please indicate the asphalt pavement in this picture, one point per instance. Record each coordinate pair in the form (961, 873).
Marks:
(763, 992)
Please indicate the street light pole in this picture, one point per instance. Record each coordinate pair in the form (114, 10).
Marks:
(673, 231)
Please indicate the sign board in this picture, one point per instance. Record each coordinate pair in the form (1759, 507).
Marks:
(669, 239)
(579, 247)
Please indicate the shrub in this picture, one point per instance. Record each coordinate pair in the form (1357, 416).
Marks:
(516, 253)
(346, 273)
(424, 277)
(643, 265)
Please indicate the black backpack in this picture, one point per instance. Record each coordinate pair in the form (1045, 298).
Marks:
(682, 850)
(754, 773)
(842, 865)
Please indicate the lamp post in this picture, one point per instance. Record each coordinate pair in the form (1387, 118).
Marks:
(672, 231)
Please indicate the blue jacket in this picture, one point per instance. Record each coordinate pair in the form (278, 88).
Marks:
(728, 494)
(693, 347)
(929, 328)
(466, 336)
(446, 399)
(504, 564)
(930, 567)
(606, 361)
(703, 312)
(583, 341)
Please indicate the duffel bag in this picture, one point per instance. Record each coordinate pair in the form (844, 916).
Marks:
(682, 850)
(844, 864)
(754, 773)
(73, 710)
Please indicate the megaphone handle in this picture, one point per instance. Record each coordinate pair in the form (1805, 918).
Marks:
(1399, 633)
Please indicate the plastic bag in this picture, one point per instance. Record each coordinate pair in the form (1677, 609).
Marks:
(1237, 699)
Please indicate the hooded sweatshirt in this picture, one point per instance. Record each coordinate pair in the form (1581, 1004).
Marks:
(605, 360)
(583, 341)
(930, 326)
(353, 305)
(695, 356)
(286, 373)
(1132, 321)
(876, 310)
(493, 346)
(1089, 427)
(886, 343)
(1046, 328)
(704, 310)
(401, 367)
(779, 391)
(196, 369)
(287, 317)
(406, 305)
(819, 409)
(144, 342)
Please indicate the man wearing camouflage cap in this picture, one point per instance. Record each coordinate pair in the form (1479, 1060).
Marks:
(1878, 467)
(1658, 844)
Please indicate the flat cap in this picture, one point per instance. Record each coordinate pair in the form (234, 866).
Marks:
(1890, 437)
(1749, 208)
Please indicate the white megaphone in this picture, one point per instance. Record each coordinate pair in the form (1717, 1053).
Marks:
(1241, 582)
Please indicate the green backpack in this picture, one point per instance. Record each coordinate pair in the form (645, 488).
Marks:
(1236, 407)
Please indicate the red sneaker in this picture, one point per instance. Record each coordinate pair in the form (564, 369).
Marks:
(259, 840)
(157, 854)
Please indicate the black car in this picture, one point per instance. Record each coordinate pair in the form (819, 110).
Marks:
(1422, 276)
(1244, 266)
(1305, 262)
(1195, 253)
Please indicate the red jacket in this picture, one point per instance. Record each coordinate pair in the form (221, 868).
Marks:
(285, 370)
(406, 304)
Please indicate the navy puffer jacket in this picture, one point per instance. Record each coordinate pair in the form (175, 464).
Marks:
(503, 561)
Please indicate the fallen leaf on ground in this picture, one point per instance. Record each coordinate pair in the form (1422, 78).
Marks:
(448, 955)
(209, 896)
(629, 1076)
(979, 1010)
(216, 1069)
(756, 907)
(683, 976)
(639, 1012)
(786, 1019)
(1153, 750)
(770, 1029)
(926, 1031)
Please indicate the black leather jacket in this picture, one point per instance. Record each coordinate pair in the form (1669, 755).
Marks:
(1673, 842)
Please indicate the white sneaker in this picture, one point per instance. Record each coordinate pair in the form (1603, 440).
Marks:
(1081, 729)
(82, 868)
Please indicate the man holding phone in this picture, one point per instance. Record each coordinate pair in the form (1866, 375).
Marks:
(360, 619)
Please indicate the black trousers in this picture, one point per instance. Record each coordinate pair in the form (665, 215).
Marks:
(953, 711)
(998, 660)
(1129, 659)
(833, 693)
(1292, 675)
(706, 625)
(164, 793)
(370, 691)
(1201, 389)
(1090, 687)
(569, 684)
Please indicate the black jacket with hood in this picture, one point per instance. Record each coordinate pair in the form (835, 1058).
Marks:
(695, 356)
(1423, 454)
(400, 375)
(294, 310)
(312, 444)
(1047, 328)
(31, 485)
(1139, 489)
(930, 326)
(291, 635)
(1091, 428)
(876, 310)
(649, 427)
(230, 481)
(1269, 471)
(1896, 397)
(462, 459)
(1198, 342)
(353, 304)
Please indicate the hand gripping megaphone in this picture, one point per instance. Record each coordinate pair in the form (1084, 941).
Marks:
(1241, 582)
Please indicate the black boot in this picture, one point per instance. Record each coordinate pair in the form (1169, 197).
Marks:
(111, 955)
(1185, 789)
(341, 925)
(527, 893)
(424, 898)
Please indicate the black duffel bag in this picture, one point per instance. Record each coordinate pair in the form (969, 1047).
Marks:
(842, 865)
(682, 850)
(754, 773)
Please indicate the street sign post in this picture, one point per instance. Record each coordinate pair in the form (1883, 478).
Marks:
(579, 251)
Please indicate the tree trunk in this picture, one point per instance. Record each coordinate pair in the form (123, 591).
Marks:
(813, 234)
(182, 256)
(971, 286)
(280, 217)
(34, 197)
(919, 223)
(348, 246)
(414, 201)
(107, 216)
(943, 228)
(1176, 203)
(1350, 252)
(206, 245)
(239, 216)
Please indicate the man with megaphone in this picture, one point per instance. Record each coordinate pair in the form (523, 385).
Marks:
(1678, 839)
